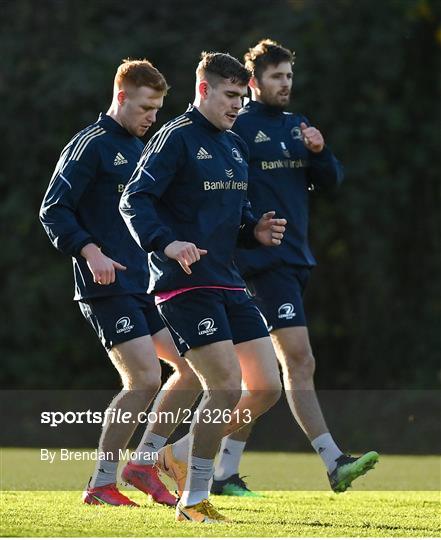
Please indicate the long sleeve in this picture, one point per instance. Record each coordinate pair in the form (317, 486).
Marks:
(325, 170)
(75, 171)
(246, 238)
(156, 170)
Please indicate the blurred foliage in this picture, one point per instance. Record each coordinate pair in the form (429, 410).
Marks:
(366, 74)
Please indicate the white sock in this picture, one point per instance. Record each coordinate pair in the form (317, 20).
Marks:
(181, 448)
(105, 473)
(326, 448)
(230, 454)
(150, 444)
(197, 485)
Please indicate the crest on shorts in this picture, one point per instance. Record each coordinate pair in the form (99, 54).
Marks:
(206, 327)
(286, 311)
(123, 325)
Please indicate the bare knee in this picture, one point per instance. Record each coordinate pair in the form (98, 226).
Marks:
(274, 392)
(227, 393)
(137, 365)
(219, 372)
(231, 398)
(145, 379)
(187, 378)
(267, 395)
(300, 364)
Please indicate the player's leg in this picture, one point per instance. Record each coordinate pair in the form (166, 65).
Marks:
(295, 355)
(226, 480)
(175, 397)
(280, 296)
(199, 326)
(172, 402)
(261, 379)
(261, 390)
(294, 352)
(219, 371)
(256, 355)
(140, 374)
(259, 371)
(298, 365)
(121, 326)
(179, 392)
(139, 370)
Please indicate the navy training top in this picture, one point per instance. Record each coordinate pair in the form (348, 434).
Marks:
(81, 206)
(281, 169)
(190, 185)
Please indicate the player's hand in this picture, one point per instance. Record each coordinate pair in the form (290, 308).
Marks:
(103, 268)
(269, 231)
(185, 253)
(312, 138)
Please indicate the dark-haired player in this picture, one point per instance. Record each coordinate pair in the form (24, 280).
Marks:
(186, 203)
(287, 155)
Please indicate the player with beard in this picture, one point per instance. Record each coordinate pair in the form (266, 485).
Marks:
(287, 156)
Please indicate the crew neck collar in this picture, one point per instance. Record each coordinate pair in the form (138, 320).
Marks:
(270, 110)
(198, 117)
(110, 124)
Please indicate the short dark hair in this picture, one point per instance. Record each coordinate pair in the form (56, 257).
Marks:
(139, 73)
(266, 53)
(215, 66)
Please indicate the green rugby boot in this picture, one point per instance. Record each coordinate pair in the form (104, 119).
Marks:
(233, 485)
(349, 469)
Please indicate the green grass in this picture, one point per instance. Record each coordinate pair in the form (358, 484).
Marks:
(391, 510)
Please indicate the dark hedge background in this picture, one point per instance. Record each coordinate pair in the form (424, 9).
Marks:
(367, 74)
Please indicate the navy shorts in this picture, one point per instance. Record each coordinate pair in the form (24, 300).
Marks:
(203, 316)
(278, 293)
(117, 319)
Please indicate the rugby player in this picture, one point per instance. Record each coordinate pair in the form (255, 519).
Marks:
(287, 157)
(81, 217)
(186, 204)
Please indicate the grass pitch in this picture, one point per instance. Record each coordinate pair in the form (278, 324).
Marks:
(379, 513)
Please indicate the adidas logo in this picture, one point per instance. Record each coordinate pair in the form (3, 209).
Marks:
(261, 137)
(203, 154)
(119, 159)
